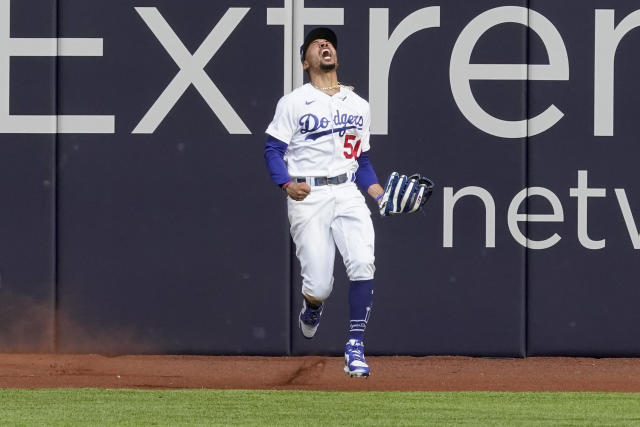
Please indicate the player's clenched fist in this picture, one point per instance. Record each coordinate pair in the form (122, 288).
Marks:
(298, 190)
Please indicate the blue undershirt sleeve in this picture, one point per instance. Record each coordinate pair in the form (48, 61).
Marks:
(365, 175)
(274, 150)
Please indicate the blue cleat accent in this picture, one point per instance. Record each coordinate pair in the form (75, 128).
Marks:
(354, 363)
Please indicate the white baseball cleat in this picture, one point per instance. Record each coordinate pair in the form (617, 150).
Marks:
(309, 319)
(355, 364)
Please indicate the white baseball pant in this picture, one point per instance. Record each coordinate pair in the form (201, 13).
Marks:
(330, 216)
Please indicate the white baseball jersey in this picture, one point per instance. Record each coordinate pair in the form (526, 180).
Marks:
(325, 133)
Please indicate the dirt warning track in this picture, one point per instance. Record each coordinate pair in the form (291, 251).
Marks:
(433, 373)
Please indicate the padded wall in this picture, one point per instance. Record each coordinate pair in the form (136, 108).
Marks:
(27, 179)
(142, 220)
(583, 293)
(173, 239)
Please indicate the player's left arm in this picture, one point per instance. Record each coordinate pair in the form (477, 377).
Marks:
(376, 191)
(366, 177)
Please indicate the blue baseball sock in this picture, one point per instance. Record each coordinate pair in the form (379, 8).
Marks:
(360, 301)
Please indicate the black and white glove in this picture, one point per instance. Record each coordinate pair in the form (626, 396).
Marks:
(404, 194)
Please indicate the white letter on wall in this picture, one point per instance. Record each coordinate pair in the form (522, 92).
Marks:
(583, 192)
(513, 217)
(608, 37)
(461, 72)
(628, 217)
(44, 47)
(490, 214)
(381, 51)
(192, 70)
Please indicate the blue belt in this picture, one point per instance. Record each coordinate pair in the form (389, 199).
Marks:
(318, 181)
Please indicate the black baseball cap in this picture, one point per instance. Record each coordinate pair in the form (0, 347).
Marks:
(315, 34)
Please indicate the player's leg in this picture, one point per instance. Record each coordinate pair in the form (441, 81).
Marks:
(310, 230)
(353, 233)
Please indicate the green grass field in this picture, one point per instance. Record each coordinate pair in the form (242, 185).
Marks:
(283, 408)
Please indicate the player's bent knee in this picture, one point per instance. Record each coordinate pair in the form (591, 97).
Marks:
(318, 295)
(317, 291)
(361, 270)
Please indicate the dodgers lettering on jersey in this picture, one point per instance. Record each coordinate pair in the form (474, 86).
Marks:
(325, 133)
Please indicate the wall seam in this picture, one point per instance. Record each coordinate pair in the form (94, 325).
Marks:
(526, 182)
(55, 156)
(291, 254)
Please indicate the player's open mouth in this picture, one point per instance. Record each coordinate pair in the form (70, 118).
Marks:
(326, 54)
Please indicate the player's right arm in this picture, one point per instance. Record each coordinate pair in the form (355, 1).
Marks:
(281, 129)
(274, 151)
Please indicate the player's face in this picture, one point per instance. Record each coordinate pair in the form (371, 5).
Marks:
(321, 55)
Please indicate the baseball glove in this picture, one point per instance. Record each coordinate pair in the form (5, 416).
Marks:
(404, 194)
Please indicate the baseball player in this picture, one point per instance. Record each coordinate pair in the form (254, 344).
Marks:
(317, 151)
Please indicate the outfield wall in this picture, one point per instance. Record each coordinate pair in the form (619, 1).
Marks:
(139, 217)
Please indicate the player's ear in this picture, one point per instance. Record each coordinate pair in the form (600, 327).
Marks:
(305, 65)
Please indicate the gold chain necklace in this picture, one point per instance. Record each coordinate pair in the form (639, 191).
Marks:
(336, 86)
